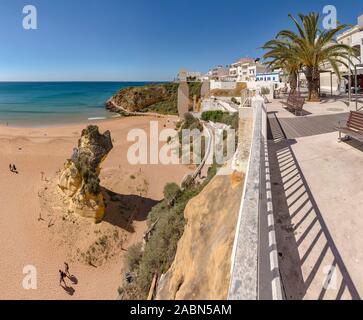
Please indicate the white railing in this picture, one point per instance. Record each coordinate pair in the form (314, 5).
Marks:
(256, 204)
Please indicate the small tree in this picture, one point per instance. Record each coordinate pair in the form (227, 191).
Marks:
(171, 191)
(133, 257)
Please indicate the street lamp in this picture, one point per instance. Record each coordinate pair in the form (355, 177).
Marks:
(349, 74)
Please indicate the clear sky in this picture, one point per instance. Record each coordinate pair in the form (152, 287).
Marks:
(142, 39)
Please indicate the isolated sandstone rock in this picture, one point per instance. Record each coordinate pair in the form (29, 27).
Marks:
(69, 180)
(79, 178)
(88, 205)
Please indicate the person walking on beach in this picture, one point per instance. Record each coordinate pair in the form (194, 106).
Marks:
(62, 276)
(11, 167)
(14, 168)
(66, 267)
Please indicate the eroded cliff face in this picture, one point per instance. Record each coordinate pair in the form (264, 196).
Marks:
(201, 269)
(79, 178)
(135, 99)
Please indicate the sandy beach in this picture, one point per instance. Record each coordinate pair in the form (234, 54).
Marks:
(27, 240)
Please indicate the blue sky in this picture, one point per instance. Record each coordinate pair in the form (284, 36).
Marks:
(143, 39)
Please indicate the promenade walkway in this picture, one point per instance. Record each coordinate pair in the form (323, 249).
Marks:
(317, 197)
(298, 127)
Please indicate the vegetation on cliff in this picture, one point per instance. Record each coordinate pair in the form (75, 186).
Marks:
(202, 263)
(230, 119)
(155, 98)
(157, 254)
(229, 92)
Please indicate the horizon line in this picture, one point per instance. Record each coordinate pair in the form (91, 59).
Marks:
(15, 81)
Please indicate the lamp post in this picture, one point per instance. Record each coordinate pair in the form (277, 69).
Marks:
(356, 83)
(349, 74)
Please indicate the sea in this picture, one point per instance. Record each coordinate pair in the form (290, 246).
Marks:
(41, 104)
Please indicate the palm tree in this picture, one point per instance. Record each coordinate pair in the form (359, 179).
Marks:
(313, 48)
(281, 54)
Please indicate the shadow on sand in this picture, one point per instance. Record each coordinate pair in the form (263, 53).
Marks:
(122, 210)
(73, 278)
(69, 290)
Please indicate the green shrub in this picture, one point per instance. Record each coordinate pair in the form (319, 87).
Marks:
(195, 89)
(190, 122)
(133, 257)
(227, 118)
(171, 191)
(91, 181)
(214, 116)
(161, 247)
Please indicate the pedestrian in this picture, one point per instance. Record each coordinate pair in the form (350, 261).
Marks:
(11, 167)
(66, 266)
(62, 276)
(14, 168)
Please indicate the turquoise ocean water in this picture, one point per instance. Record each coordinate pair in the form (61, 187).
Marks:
(38, 104)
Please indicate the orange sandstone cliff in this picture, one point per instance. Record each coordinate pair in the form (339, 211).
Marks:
(201, 269)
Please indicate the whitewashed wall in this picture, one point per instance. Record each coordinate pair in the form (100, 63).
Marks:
(226, 85)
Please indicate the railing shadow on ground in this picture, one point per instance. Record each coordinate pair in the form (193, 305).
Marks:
(300, 224)
(274, 129)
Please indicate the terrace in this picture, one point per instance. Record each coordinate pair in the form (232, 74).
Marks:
(316, 193)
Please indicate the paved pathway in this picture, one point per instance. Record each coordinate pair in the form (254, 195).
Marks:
(291, 128)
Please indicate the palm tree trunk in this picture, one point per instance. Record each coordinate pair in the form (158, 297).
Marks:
(293, 82)
(313, 78)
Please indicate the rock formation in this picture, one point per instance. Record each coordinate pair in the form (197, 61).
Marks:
(201, 268)
(162, 98)
(135, 99)
(183, 99)
(79, 180)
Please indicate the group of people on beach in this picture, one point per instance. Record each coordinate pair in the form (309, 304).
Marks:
(12, 168)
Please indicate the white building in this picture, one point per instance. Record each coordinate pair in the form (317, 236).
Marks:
(219, 72)
(185, 75)
(245, 69)
(225, 85)
(353, 37)
(268, 76)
